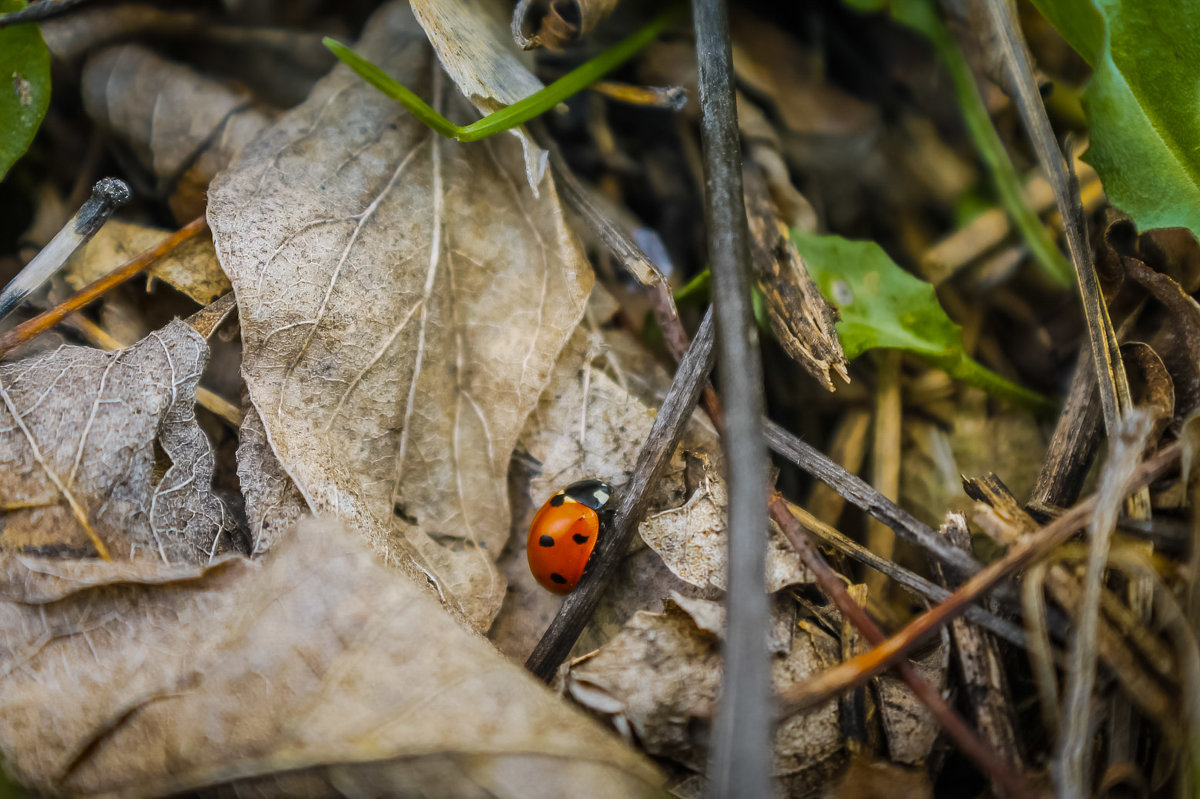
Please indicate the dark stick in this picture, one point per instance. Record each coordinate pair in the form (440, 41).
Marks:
(633, 499)
(740, 764)
(915, 583)
(39, 12)
(858, 493)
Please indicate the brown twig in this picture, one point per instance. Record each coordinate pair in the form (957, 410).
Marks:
(97, 288)
(852, 672)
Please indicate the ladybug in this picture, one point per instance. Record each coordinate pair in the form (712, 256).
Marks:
(564, 532)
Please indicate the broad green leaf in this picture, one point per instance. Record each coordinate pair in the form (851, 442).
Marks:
(24, 86)
(1078, 22)
(884, 307)
(1143, 104)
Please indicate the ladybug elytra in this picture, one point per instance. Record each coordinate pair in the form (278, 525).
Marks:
(563, 534)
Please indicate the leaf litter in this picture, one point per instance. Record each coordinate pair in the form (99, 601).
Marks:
(384, 281)
(400, 314)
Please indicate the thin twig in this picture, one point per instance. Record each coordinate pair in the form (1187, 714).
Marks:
(38, 12)
(740, 764)
(1114, 388)
(97, 288)
(926, 589)
(842, 677)
(633, 499)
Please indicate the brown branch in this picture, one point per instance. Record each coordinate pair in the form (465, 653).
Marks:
(97, 288)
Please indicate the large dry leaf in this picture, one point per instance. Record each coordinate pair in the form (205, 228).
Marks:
(403, 299)
(313, 672)
(86, 423)
(472, 41)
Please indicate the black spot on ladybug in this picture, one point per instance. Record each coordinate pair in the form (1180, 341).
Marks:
(558, 578)
(580, 538)
(558, 499)
(546, 541)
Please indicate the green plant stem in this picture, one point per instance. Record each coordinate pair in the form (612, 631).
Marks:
(519, 112)
(988, 143)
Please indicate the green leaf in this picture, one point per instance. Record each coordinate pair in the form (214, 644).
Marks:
(884, 307)
(24, 86)
(1143, 104)
(1078, 22)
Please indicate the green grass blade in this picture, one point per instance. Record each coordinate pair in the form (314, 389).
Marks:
(392, 88)
(568, 85)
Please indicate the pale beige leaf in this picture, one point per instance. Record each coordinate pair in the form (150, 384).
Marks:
(192, 267)
(403, 299)
(691, 540)
(90, 421)
(660, 677)
(314, 671)
(472, 41)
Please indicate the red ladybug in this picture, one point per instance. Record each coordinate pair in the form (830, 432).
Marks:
(563, 534)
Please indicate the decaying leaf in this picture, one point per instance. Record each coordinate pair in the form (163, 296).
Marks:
(801, 319)
(313, 672)
(659, 680)
(909, 726)
(691, 540)
(472, 42)
(192, 267)
(561, 21)
(400, 313)
(184, 126)
(90, 421)
(273, 503)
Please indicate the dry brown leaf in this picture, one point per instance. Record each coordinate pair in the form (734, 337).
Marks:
(313, 672)
(472, 42)
(184, 126)
(273, 503)
(192, 267)
(910, 728)
(403, 299)
(90, 422)
(561, 21)
(659, 680)
(691, 540)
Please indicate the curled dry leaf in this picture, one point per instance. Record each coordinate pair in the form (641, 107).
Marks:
(403, 299)
(659, 679)
(273, 503)
(471, 40)
(90, 422)
(802, 321)
(910, 728)
(691, 540)
(313, 672)
(192, 267)
(184, 126)
(561, 21)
